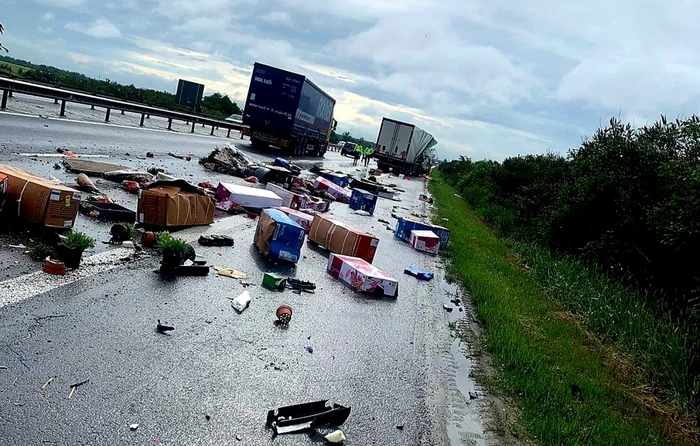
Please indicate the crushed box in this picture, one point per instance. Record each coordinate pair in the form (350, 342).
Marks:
(174, 204)
(301, 218)
(339, 193)
(362, 200)
(425, 241)
(40, 200)
(278, 237)
(316, 204)
(362, 276)
(233, 195)
(340, 179)
(289, 199)
(340, 238)
(405, 225)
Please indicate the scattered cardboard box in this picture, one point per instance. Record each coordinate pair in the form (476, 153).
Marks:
(278, 237)
(425, 241)
(233, 195)
(339, 193)
(174, 204)
(363, 201)
(404, 226)
(289, 199)
(362, 276)
(316, 204)
(40, 200)
(342, 239)
(301, 218)
(340, 179)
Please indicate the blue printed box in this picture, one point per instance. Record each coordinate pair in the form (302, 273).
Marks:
(405, 225)
(278, 237)
(363, 201)
(340, 179)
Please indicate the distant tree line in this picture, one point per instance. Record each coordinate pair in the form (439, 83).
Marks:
(214, 106)
(627, 200)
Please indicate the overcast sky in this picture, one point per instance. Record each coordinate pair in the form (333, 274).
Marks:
(488, 79)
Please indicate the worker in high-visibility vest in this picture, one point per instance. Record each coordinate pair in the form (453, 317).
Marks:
(358, 152)
(367, 152)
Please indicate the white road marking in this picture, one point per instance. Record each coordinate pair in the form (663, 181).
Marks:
(58, 155)
(17, 289)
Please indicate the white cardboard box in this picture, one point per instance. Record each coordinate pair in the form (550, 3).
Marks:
(289, 198)
(247, 197)
(425, 241)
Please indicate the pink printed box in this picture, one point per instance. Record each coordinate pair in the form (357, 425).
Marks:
(301, 218)
(362, 276)
(425, 241)
(339, 193)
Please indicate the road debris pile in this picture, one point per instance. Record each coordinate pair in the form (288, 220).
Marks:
(231, 161)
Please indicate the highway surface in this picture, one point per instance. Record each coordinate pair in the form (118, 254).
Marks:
(213, 379)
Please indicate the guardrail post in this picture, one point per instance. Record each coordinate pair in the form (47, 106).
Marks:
(107, 114)
(170, 123)
(3, 105)
(212, 130)
(122, 112)
(63, 109)
(228, 135)
(92, 107)
(148, 116)
(55, 101)
(143, 116)
(192, 131)
(11, 94)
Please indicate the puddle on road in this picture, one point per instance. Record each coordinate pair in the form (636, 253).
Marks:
(464, 426)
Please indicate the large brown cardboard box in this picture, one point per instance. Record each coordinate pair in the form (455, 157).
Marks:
(40, 200)
(340, 238)
(174, 204)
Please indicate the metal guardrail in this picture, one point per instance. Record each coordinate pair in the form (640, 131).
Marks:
(9, 86)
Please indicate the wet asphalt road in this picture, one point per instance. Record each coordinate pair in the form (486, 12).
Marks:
(387, 359)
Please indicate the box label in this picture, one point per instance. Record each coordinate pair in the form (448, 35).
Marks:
(55, 195)
(67, 223)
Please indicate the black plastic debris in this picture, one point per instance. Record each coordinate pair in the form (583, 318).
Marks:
(301, 285)
(306, 416)
(215, 240)
(163, 328)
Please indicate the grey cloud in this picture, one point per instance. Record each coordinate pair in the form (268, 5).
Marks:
(101, 28)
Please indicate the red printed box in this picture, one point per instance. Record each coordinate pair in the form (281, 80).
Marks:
(425, 241)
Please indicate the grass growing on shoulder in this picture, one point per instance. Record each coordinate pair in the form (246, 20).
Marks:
(537, 353)
(662, 351)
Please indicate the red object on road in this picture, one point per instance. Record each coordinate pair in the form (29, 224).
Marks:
(130, 186)
(54, 267)
(207, 185)
(251, 179)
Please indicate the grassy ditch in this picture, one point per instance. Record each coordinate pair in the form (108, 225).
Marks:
(541, 345)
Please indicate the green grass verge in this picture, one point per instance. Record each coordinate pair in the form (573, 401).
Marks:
(536, 350)
(13, 69)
